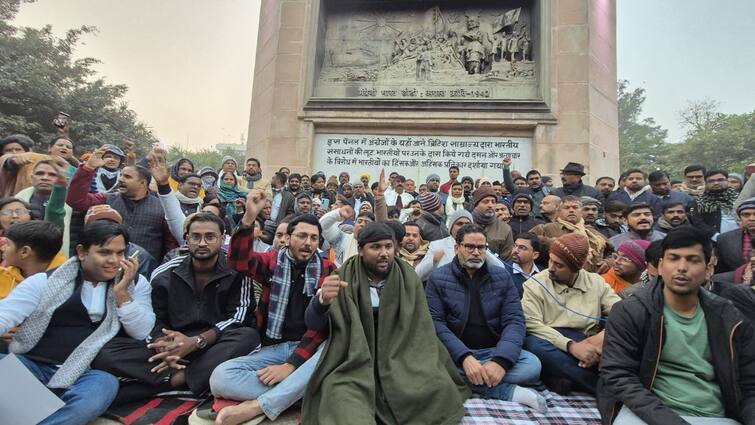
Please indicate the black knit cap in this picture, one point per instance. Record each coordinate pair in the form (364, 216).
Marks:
(374, 232)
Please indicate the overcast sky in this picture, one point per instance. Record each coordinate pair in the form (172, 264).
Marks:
(188, 63)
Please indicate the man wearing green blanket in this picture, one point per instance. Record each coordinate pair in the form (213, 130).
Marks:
(382, 363)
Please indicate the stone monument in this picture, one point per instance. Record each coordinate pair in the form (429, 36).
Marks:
(416, 86)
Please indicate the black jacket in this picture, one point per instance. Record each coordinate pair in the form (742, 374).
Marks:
(226, 302)
(632, 347)
(521, 225)
(287, 205)
(729, 251)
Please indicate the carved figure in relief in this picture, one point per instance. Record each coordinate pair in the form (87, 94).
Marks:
(424, 65)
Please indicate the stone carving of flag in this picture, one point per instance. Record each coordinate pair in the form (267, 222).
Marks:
(510, 17)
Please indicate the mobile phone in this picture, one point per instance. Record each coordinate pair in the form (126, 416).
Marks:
(61, 120)
(119, 274)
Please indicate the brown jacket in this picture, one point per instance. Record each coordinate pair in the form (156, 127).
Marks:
(550, 231)
(500, 238)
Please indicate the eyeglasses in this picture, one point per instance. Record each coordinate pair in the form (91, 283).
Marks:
(314, 238)
(209, 238)
(17, 212)
(471, 248)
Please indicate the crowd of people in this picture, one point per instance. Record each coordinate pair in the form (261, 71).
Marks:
(375, 300)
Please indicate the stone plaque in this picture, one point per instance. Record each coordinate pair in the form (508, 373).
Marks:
(424, 51)
(418, 156)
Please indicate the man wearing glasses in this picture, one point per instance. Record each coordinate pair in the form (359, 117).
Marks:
(628, 265)
(273, 378)
(478, 317)
(203, 313)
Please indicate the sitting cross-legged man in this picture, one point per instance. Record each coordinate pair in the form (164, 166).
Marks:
(204, 317)
(66, 317)
(562, 306)
(478, 317)
(270, 380)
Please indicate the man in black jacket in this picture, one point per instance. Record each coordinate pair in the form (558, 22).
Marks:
(204, 316)
(522, 219)
(734, 247)
(673, 352)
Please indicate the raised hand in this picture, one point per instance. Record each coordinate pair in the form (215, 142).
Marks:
(331, 285)
(158, 166)
(255, 202)
(61, 167)
(382, 184)
(506, 161)
(95, 161)
(346, 212)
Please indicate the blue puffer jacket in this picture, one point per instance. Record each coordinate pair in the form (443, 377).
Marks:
(448, 299)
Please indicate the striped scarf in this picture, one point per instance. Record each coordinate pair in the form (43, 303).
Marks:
(281, 289)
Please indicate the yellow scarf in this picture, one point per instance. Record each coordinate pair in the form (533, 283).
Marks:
(413, 257)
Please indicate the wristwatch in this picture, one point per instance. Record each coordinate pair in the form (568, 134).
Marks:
(201, 342)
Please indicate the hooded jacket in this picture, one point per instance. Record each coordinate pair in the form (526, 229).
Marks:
(632, 348)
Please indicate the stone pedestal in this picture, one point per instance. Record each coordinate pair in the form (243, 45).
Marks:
(574, 119)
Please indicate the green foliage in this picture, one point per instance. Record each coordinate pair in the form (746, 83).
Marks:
(642, 143)
(202, 158)
(39, 77)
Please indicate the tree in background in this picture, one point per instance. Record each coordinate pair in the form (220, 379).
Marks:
(204, 157)
(39, 77)
(642, 143)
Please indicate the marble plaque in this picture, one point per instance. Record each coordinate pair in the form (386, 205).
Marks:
(428, 51)
(416, 157)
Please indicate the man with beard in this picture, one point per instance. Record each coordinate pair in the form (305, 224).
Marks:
(571, 178)
(569, 220)
(636, 192)
(672, 216)
(502, 211)
(294, 184)
(639, 218)
(499, 234)
(526, 250)
(343, 178)
(677, 354)
(590, 210)
(567, 344)
(204, 313)
(694, 181)
(533, 187)
(344, 244)
(433, 182)
(68, 316)
(142, 212)
(735, 246)
(605, 186)
(612, 223)
(522, 220)
(253, 177)
(271, 379)
(382, 361)
(660, 183)
(478, 317)
(549, 208)
(282, 200)
(714, 210)
(306, 183)
(431, 221)
(188, 194)
(442, 251)
(628, 265)
(413, 246)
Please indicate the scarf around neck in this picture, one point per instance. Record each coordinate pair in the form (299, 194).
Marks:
(106, 180)
(281, 288)
(696, 193)
(186, 200)
(251, 178)
(597, 242)
(714, 201)
(59, 287)
(482, 219)
(415, 256)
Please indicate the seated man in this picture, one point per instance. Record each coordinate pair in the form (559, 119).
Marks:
(674, 353)
(562, 306)
(68, 316)
(344, 245)
(526, 250)
(413, 247)
(383, 361)
(628, 265)
(478, 317)
(203, 311)
(270, 380)
(639, 219)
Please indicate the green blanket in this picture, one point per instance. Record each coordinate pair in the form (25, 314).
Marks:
(415, 382)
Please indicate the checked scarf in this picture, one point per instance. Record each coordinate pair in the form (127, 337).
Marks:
(281, 288)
